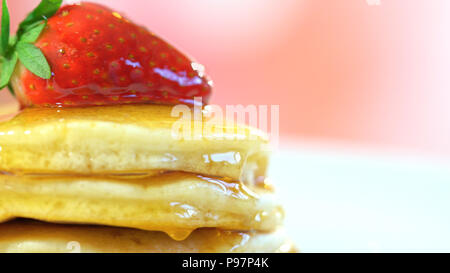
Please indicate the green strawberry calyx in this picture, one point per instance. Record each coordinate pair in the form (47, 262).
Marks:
(20, 46)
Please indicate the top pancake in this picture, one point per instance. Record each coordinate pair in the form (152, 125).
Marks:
(127, 139)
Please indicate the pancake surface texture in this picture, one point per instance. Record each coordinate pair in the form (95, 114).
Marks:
(128, 139)
(176, 203)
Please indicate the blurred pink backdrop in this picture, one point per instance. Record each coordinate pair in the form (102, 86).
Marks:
(377, 75)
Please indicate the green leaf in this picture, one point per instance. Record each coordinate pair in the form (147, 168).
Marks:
(5, 28)
(12, 41)
(45, 10)
(30, 36)
(8, 67)
(34, 60)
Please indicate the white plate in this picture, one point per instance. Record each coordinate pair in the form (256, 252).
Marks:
(340, 201)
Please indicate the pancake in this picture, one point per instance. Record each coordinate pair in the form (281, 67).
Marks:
(125, 139)
(176, 203)
(25, 236)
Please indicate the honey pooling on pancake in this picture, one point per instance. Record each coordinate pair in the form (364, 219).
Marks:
(179, 234)
(124, 139)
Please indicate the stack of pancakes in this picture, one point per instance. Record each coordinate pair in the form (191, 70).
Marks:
(115, 179)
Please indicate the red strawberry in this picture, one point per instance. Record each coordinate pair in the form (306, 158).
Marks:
(98, 57)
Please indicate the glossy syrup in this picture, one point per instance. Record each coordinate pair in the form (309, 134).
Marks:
(183, 211)
(230, 159)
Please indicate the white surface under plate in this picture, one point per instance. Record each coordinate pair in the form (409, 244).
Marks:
(341, 201)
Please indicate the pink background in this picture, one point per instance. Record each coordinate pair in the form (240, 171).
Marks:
(377, 75)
